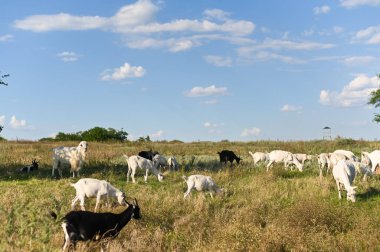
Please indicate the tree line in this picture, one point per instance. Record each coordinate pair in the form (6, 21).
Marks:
(96, 134)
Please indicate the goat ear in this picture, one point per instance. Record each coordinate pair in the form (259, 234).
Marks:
(135, 202)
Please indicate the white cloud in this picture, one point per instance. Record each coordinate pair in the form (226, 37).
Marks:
(267, 56)
(213, 127)
(355, 3)
(136, 23)
(358, 60)
(355, 93)
(321, 9)
(61, 21)
(172, 45)
(216, 14)
(68, 56)
(6, 38)
(17, 124)
(370, 35)
(135, 18)
(2, 120)
(218, 61)
(291, 108)
(250, 132)
(206, 91)
(125, 71)
(157, 134)
(131, 15)
(275, 44)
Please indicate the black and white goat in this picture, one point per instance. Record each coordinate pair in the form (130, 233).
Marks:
(85, 225)
(29, 168)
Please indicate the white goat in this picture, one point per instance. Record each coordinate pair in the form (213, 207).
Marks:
(372, 159)
(173, 163)
(91, 188)
(201, 183)
(348, 154)
(135, 162)
(286, 157)
(259, 157)
(323, 163)
(362, 168)
(335, 158)
(302, 158)
(73, 156)
(344, 174)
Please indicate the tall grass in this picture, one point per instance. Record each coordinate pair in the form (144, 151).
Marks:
(275, 211)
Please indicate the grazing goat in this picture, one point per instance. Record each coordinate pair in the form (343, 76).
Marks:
(135, 162)
(348, 154)
(73, 156)
(286, 157)
(173, 163)
(228, 156)
(362, 168)
(84, 225)
(344, 174)
(148, 154)
(160, 161)
(323, 163)
(259, 157)
(302, 158)
(201, 183)
(335, 158)
(372, 159)
(29, 168)
(91, 188)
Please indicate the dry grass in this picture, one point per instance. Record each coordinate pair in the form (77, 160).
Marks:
(276, 211)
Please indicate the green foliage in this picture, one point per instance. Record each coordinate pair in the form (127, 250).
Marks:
(96, 134)
(344, 141)
(375, 100)
(144, 139)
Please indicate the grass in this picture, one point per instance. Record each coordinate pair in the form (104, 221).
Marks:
(278, 210)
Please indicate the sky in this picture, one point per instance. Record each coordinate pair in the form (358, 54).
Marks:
(190, 70)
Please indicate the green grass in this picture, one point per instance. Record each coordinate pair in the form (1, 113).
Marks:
(279, 210)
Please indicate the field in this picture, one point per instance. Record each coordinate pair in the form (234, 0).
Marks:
(279, 210)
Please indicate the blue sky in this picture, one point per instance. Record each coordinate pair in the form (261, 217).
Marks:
(190, 70)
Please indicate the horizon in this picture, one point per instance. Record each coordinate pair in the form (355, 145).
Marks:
(190, 70)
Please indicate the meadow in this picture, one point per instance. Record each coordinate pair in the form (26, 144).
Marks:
(279, 210)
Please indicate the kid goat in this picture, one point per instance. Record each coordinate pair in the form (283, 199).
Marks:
(90, 188)
(29, 168)
(201, 183)
(84, 225)
(135, 162)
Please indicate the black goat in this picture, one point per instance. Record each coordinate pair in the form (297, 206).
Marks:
(85, 225)
(148, 154)
(29, 168)
(228, 156)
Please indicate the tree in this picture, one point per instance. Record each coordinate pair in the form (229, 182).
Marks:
(1, 79)
(375, 100)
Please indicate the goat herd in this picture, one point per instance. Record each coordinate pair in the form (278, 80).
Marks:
(84, 225)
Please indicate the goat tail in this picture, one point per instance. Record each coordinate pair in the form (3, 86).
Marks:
(53, 214)
(125, 156)
(184, 177)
